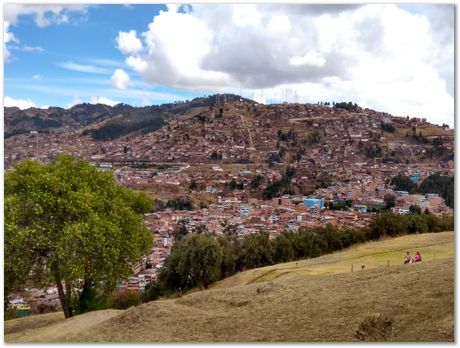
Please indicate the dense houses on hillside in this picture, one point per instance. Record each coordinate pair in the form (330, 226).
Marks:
(202, 152)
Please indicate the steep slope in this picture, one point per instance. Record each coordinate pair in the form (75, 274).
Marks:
(18, 121)
(313, 300)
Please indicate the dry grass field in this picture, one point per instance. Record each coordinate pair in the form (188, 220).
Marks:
(428, 131)
(317, 300)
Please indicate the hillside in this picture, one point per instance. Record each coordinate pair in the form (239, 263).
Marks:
(312, 300)
(125, 118)
(228, 129)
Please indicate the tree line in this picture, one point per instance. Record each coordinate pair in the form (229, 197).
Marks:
(199, 259)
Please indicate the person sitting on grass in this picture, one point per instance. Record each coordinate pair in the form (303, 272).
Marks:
(418, 257)
(408, 258)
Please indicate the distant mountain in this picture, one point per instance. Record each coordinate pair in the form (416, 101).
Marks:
(110, 121)
(23, 121)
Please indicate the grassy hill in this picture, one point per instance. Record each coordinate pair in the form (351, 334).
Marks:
(311, 300)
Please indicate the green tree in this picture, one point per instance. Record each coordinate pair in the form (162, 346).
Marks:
(386, 225)
(403, 183)
(442, 185)
(70, 224)
(390, 200)
(256, 181)
(256, 251)
(283, 249)
(194, 261)
(415, 209)
(181, 231)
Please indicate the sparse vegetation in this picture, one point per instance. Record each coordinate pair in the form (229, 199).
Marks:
(375, 328)
(143, 120)
(180, 203)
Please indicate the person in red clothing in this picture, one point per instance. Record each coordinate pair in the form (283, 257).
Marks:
(418, 257)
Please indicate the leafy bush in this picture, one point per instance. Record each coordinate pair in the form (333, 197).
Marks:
(124, 298)
(153, 291)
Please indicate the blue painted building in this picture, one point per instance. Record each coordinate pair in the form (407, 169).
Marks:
(311, 202)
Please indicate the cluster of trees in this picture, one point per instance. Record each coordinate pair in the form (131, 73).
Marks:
(256, 181)
(289, 135)
(347, 106)
(403, 183)
(435, 183)
(67, 223)
(198, 260)
(339, 205)
(234, 185)
(280, 187)
(373, 151)
(388, 127)
(392, 225)
(440, 184)
(215, 156)
(180, 203)
(274, 157)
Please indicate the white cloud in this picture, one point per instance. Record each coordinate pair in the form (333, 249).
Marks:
(310, 58)
(128, 42)
(136, 63)
(386, 56)
(90, 69)
(120, 79)
(8, 37)
(36, 49)
(37, 77)
(44, 15)
(103, 100)
(20, 103)
(93, 100)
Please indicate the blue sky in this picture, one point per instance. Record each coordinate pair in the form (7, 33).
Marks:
(393, 58)
(73, 62)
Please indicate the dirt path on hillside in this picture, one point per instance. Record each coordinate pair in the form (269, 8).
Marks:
(64, 329)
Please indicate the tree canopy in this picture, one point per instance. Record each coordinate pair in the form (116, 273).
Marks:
(70, 224)
(194, 260)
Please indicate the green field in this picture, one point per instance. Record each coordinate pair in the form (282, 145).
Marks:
(317, 300)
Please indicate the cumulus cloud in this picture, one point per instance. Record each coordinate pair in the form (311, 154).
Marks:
(128, 42)
(120, 79)
(104, 100)
(387, 56)
(94, 100)
(136, 63)
(20, 103)
(44, 15)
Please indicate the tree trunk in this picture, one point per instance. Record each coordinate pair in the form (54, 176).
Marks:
(62, 296)
(68, 296)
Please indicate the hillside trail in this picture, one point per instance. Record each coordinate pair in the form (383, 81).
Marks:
(60, 330)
